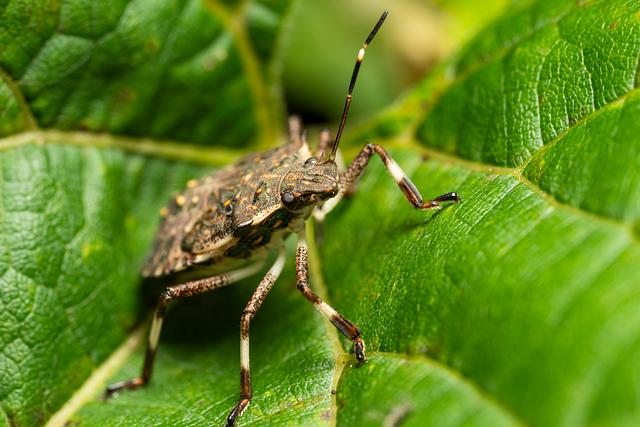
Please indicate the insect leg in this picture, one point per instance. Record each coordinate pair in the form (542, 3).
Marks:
(249, 311)
(344, 325)
(355, 169)
(171, 293)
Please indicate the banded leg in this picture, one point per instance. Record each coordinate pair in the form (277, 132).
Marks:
(249, 311)
(171, 293)
(355, 169)
(344, 325)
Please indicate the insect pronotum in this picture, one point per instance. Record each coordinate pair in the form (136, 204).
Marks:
(224, 224)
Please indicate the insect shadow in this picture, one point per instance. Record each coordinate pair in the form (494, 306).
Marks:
(210, 319)
(411, 224)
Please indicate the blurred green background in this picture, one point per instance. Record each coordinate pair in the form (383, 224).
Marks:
(324, 38)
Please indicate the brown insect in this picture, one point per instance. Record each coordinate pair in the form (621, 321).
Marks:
(221, 228)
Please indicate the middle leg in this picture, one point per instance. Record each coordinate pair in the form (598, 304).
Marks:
(250, 310)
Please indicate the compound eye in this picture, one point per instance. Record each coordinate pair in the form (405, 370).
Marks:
(310, 162)
(287, 197)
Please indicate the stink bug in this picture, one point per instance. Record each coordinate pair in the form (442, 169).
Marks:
(223, 225)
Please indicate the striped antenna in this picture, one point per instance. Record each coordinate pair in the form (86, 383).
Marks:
(354, 76)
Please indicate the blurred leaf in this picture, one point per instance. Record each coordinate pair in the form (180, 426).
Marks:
(176, 69)
(325, 37)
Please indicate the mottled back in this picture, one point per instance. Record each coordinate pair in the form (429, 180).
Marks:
(226, 215)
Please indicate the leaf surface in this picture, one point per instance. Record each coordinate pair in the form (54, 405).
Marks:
(75, 226)
(528, 288)
(395, 389)
(140, 68)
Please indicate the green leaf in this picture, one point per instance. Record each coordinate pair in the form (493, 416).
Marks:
(528, 288)
(579, 170)
(78, 210)
(518, 306)
(533, 301)
(531, 76)
(75, 226)
(395, 389)
(178, 69)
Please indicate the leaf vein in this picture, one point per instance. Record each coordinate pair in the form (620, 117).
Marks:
(458, 376)
(26, 112)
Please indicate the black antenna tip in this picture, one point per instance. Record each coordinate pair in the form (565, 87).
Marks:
(377, 27)
(352, 83)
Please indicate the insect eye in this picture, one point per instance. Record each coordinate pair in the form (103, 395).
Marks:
(310, 161)
(287, 197)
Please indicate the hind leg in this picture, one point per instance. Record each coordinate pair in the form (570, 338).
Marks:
(173, 293)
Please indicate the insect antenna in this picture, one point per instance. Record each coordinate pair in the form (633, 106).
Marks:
(354, 76)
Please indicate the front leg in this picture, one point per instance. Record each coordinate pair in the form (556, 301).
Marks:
(344, 325)
(355, 169)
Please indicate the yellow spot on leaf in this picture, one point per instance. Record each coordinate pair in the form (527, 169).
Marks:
(89, 248)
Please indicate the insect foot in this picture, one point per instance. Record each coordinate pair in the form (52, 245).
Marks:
(360, 349)
(237, 411)
(447, 197)
(131, 384)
